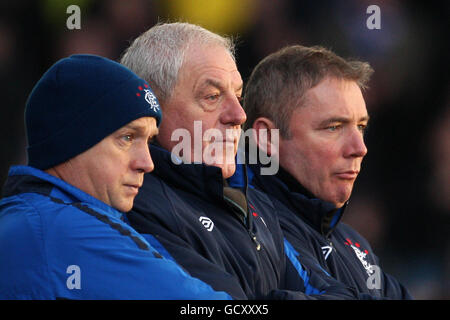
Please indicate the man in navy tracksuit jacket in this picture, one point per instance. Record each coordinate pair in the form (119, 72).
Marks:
(312, 98)
(320, 240)
(229, 240)
(62, 234)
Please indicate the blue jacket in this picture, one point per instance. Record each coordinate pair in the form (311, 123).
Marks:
(58, 242)
(314, 229)
(234, 244)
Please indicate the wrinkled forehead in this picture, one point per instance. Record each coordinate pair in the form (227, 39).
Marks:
(144, 125)
(209, 58)
(333, 93)
(332, 101)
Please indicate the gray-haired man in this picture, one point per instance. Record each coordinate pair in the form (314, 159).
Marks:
(226, 237)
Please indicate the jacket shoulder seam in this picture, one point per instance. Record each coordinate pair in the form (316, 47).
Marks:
(44, 244)
(165, 188)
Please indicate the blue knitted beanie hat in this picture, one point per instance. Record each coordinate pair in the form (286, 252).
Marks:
(78, 102)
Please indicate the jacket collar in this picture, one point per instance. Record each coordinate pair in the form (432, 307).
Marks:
(321, 215)
(203, 180)
(26, 179)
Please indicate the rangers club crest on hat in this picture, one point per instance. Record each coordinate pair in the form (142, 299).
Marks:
(149, 97)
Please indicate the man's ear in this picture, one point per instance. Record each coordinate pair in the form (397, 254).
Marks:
(262, 135)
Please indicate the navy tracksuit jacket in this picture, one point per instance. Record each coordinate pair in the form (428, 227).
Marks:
(312, 227)
(184, 211)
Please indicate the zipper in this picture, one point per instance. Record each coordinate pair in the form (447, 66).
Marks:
(331, 243)
(244, 215)
(255, 240)
(245, 222)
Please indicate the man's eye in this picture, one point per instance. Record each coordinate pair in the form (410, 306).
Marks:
(333, 128)
(362, 127)
(212, 97)
(127, 138)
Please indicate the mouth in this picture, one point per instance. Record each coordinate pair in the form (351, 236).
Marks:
(233, 142)
(224, 143)
(348, 175)
(230, 136)
(134, 188)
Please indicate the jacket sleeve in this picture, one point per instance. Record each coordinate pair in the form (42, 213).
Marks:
(61, 252)
(390, 287)
(169, 242)
(315, 276)
(305, 280)
(144, 273)
(393, 289)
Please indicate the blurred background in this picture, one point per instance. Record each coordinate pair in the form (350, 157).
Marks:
(401, 201)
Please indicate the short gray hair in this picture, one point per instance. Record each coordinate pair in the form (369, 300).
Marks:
(158, 54)
(278, 84)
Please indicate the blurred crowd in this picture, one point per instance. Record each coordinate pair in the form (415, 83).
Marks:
(401, 200)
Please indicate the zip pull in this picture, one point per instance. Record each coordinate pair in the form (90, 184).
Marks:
(255, 240)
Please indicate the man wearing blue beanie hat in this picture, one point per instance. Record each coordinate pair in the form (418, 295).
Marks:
(62, 232)
(79, 101)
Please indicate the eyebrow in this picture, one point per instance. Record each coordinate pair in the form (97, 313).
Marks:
(218, 85)
(140, 128)
(341, 120)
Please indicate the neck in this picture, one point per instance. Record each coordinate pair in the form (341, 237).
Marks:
(54, 172)
(293, 184)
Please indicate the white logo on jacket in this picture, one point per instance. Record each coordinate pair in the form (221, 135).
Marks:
(373, 271)
(207, 223)
(362, 257)
(326, 250)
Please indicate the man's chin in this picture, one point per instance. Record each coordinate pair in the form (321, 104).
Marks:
(341, 199)
(124, 206)
(226, 162)
(227, 170)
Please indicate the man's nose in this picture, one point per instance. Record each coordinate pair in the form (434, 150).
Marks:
(143, 161)
(356, 146)
(232, 112)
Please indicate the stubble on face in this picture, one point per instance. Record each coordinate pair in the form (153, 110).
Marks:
(208, 91)
(326, 146)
